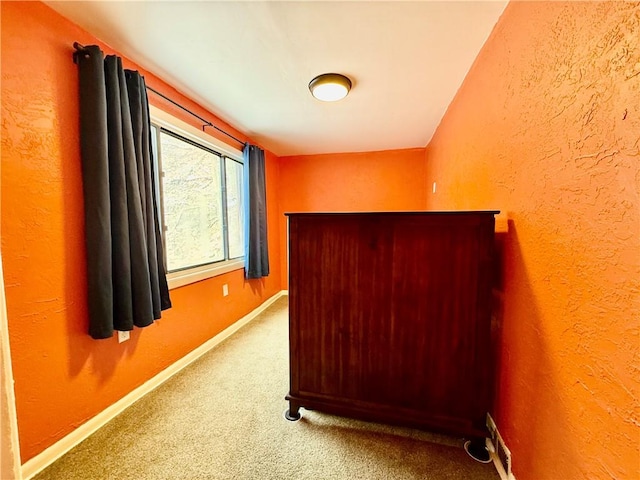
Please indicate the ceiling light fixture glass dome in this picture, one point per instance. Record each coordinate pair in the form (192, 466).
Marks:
(330, 87)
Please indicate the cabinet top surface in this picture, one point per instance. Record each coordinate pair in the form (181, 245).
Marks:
(417, 212)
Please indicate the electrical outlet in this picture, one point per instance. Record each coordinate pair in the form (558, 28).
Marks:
(502, 223)
(225, 290)
(123, 336)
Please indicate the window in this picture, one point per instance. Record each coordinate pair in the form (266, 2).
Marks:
(200, 192)
(235, 211)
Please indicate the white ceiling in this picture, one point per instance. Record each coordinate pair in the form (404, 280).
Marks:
(250, 62)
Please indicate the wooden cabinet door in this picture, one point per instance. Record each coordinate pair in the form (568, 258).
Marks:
(389, 316)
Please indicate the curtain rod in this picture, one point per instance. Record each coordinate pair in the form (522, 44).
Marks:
(81, 48)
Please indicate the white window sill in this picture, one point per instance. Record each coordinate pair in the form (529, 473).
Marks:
(192, 275)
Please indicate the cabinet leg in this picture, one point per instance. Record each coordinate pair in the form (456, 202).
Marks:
(477, 449)
(293, 413)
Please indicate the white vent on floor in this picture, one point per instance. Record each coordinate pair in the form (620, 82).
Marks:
(500, 454)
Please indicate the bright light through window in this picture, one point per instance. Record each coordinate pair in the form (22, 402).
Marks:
(192, 204)
(197, 184)
(234, 208)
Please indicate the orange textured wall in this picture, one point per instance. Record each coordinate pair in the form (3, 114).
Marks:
(350, 182)
(63, 377)
(546, 127)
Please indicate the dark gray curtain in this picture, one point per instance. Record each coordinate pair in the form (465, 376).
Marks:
(255, 235)
(127, 284)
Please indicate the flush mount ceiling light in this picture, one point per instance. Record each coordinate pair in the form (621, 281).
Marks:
(330, 87)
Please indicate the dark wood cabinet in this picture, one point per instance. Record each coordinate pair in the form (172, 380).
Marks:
(390, 317)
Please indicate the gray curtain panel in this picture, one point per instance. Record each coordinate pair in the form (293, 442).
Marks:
(256, 247)
(127, 282)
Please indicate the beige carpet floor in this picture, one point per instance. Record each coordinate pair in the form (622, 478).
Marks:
(222, 418)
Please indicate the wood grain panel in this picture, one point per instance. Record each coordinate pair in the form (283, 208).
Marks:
(390, 316)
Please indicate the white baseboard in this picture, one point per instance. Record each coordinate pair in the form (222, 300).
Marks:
(62, 446)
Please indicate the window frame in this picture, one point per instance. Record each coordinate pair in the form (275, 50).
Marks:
(186, 276)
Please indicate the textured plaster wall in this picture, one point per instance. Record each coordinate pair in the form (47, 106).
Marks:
(546, 127)
(63, 377)
(349, 182)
